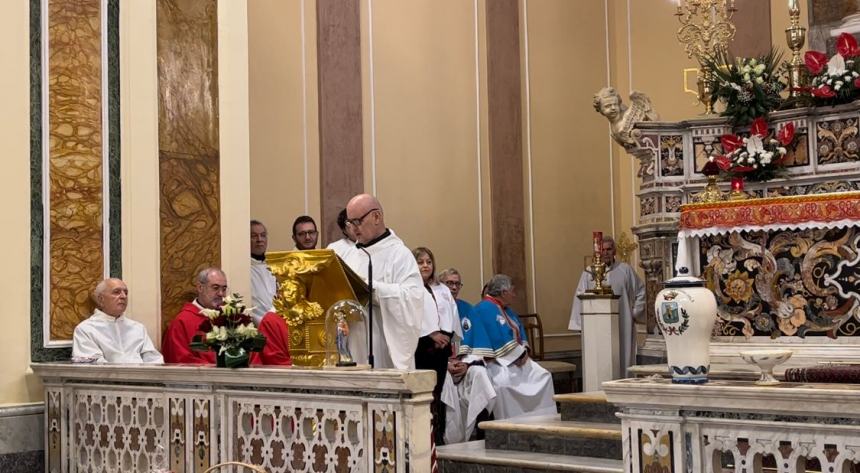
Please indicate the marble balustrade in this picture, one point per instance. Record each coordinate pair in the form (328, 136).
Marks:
(732, 425)
(124, 418)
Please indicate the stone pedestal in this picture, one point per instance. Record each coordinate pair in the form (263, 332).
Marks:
(601, 340)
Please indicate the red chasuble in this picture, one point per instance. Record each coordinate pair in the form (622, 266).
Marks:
(178, 336)
(277, 349)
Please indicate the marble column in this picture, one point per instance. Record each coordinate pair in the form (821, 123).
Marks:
(601, 340)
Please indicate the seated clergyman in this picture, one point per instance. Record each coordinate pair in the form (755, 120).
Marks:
(108, 336)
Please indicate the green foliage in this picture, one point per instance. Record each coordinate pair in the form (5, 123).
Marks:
(749, 87)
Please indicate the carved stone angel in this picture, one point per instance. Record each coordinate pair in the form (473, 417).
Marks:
(608, 103)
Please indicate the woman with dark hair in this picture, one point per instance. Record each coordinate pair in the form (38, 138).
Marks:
(440, 327)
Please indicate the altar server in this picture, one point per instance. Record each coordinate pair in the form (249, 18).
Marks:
(263, 283)
(522, 386)
(631, 304)
(440, 329)
(108, 336)
(346, 244)
(398, 292)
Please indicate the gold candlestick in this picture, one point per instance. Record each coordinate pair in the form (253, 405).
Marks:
(598, 273)
(795, 35)
(706, 27)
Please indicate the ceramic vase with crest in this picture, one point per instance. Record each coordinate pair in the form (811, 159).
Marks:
(686, 311)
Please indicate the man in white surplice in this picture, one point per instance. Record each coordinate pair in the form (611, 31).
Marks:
(346, 244)
(398, 290)
(108, 336)
(631, 305)
(263, 284)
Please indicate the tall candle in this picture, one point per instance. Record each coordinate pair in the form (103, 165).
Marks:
(792, 5)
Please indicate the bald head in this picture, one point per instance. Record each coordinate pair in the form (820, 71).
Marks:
(364, 216)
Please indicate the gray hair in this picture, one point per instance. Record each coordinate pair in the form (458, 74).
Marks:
(498, 284)
(100, 289)
(203, 275)
(448, 272)
(257, 222)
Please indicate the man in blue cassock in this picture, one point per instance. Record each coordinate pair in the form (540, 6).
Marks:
(522, 386)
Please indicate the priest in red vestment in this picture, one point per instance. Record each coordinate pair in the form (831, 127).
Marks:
(211, 290)
(277, 349)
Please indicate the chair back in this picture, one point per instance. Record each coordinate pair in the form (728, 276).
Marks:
(534, 334)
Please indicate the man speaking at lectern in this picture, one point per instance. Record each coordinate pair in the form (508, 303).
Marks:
(398, 290)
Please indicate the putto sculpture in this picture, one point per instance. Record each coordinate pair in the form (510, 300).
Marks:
(608, 103)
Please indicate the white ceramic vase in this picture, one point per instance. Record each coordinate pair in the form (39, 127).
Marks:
(686, 311)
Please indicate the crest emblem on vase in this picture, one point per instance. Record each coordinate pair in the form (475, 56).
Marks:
(669, 311)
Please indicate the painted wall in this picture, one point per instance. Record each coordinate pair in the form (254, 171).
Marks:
(17, 384)
(284, 143)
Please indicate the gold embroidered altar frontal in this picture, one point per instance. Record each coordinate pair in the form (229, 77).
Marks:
(781, 211)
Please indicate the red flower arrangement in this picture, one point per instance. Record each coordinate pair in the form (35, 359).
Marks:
(835, 80)
(757, 157)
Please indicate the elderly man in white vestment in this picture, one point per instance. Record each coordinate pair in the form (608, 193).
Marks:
(398, 290)
(631, 304)
(263, 284)
(108, 336)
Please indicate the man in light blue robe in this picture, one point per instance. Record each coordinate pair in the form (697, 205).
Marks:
(522, 386)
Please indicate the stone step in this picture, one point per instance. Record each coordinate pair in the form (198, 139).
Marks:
(550, 434)
(586, 407)
(474, 457)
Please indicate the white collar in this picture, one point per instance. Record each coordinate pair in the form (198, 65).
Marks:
(99, 315)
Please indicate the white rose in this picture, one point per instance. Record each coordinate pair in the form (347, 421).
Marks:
(222, 334)
(781, 150)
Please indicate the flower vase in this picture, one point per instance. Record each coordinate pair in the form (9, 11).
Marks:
(686, 312)
(222, 360)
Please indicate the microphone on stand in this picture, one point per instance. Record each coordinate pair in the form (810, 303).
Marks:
(370, 304)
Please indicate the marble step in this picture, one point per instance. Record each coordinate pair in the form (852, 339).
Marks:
(586, 407)
(550, 434)
(474, 457)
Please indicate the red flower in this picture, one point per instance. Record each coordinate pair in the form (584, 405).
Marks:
(857, 83)
(786, 134)
(824, 92)
(220, 321)
(846, 45)
(731, 143)
(759, 127)
(723, 162)
(205, 326)
(815, 62)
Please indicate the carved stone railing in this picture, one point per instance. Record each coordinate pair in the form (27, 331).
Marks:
(671, 156)
(136, 418)
(737, 426)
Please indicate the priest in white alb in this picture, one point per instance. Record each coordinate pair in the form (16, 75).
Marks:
(398, 290)
(626, 284)
(108, 336)
(263, 283)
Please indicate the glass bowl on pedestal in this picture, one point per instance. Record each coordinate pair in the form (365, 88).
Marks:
(766, 360)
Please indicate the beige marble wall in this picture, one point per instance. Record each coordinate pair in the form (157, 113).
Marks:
(75, 162)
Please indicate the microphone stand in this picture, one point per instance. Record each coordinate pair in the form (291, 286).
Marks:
(370, 304)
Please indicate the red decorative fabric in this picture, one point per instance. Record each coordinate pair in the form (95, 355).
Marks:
(788, 211)
(277, 349)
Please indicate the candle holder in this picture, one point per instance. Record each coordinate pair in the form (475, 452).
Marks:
(795, 35)
(737, 192)
(706, 27)
(597, 269)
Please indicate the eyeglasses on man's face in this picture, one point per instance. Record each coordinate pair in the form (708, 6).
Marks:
(358, 221)
(452, 283)
(307, 233)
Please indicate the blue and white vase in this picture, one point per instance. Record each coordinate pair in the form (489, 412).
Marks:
(686, 311)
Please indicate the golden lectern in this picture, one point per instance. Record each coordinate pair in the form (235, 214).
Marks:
(309, 282)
